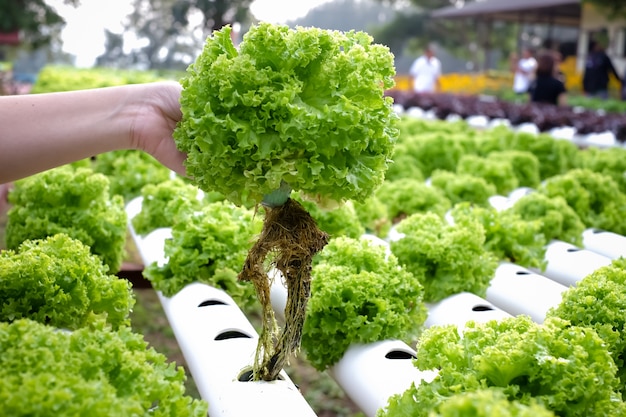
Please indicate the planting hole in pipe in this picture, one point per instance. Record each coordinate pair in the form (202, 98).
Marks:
(399, 354)
(211, 303)
(231, 334)
(596, 231)
(247, 376)
(522, 273)
(573, 249)
(482, 307)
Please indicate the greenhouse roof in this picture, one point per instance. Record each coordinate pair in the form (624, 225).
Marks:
(554, 12)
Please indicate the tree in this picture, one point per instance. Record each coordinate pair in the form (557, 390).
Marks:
(346, 15)
(415, 29)
(168, 34)
(215, 13)
(613, 9)
(462, 37)
(34, 19)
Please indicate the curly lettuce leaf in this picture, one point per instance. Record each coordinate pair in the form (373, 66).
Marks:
(599, 301)
(553, 364)
(498, 172)
(462, 187)
(338, 221)
(608, 161)
(74, 201)
(487, 402)
(58, 281)
(93, 371)
(359, 294)
(209, 247)
(595, 197)
(428, 150)
(524, 163)
(163, 202)
(373, 215)
(558, 219)
(507, 235)
(300, 106)
(129, 170)
(448, 259)
(403, 166)
(408, 196)
(555, 156)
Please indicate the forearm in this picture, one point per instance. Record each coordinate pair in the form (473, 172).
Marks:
(41, 131)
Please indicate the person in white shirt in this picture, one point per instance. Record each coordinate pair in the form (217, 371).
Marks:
(426, 71)
(524, 72)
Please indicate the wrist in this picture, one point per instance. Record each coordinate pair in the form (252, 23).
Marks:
(149, 105)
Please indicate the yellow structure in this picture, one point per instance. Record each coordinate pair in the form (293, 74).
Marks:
(590, 21)
(495, 81)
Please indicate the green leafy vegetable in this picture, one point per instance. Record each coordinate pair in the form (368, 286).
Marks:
(359, 295)
(463, 187)
(303, 106)
(430, 150)
(595, 197)
(57, 281)
(448, 258)
(73, 201)
(408, 196)
(507, 235)
(299, 110)
(93, 371)
(599, 301)
(338, 221)
(210, 247)
(608, 161)
(486, 402)
(524, 163)
(567, 369)
(403, 166)
(555, 156)
(163, 202)
(129, 170)
(558, 219)
(374, 216)
(498, 172)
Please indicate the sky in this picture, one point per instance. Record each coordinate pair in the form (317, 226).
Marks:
(83, 35)
(280, 11)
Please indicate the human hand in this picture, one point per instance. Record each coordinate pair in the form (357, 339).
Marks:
(157, 114)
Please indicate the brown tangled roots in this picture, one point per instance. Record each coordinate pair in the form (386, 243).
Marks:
(289, 240)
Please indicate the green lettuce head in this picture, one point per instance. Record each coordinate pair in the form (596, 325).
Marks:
(300, 106)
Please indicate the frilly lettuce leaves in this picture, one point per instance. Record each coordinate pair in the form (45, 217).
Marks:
(304, 106)
(567, 369)
(93, 371)
(74, 201)
(208, 246)
(598, 301)
(359, 294)
(57, 281)
(448, 258)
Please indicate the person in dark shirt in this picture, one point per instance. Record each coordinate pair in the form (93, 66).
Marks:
(598, 68)
(546, 88)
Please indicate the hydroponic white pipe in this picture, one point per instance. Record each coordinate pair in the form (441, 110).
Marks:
(605, 243)
(460, 308)
(370, 374)
(219, 344)
(568, 264)
(517, 290)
